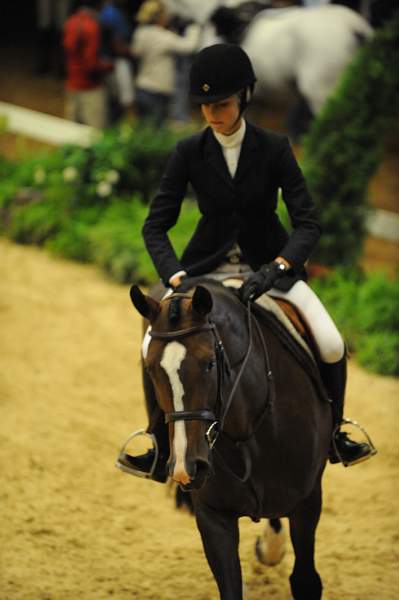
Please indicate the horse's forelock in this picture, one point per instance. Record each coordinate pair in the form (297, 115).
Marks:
(174, 310)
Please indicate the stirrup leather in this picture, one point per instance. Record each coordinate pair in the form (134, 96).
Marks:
(373, 449)
(122, 454)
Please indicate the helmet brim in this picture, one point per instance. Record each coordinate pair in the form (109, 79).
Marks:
(199, 99)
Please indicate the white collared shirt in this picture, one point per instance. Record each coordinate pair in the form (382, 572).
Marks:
(231, 146)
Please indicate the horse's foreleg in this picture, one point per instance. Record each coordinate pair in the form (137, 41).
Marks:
(220, 537)
(305, 581)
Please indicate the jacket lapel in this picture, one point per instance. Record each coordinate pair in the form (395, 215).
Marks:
(213, 155)
(249, 147)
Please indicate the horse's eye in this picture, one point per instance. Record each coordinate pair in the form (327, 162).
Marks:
(209, 366)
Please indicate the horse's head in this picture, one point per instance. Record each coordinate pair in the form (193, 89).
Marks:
(184, 368)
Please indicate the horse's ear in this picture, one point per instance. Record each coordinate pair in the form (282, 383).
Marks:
(146, 306)
(202, 301)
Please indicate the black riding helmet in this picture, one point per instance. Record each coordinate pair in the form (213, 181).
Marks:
(219, 71)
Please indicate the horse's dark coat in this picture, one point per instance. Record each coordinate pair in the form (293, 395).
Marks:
(286, 433)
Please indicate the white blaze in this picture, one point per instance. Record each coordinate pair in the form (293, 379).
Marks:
(146, 342)
(172, 358)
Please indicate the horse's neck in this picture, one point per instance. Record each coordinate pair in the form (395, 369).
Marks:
(254, 393)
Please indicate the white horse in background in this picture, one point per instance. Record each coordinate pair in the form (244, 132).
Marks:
(296, 49)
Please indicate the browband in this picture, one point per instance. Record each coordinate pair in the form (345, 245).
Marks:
(171, 335)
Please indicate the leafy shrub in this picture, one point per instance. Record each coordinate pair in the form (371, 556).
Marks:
(379, 352)
(345, 143)
(122, 162)
(378, 303)
(117, 243)
(72, 240)
(34, 223)
(365, 308)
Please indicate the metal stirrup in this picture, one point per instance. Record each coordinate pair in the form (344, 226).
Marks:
(137, 433)
(366, 435)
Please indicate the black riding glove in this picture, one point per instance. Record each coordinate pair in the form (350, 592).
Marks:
(261, 281)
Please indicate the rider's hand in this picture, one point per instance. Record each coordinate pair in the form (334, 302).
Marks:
(176, 280)
(261, 281)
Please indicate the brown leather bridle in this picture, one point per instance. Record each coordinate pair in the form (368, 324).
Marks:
(204, 414)
(223, 367)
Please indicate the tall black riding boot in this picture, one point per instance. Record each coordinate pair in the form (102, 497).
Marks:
(152, 464)
(343, 449)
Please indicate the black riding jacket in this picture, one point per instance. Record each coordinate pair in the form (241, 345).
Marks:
(239, 210)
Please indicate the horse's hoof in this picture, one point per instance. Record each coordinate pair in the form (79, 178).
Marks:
(270, 547)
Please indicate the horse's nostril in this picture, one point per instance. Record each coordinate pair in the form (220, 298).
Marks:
(197, 469)
(202, 468)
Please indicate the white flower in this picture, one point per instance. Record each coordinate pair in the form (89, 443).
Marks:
(104, 188)
(70, 173)
(40, 175)
(112, 176)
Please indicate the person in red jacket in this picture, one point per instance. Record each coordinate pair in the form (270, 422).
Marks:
(86, 95)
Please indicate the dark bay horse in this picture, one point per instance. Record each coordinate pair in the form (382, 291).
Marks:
(248, 431)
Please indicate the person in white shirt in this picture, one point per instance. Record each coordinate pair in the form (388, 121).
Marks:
(155, 47)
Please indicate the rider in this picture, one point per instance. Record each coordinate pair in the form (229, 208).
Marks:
(235, 170)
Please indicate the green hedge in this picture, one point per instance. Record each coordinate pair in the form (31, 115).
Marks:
(78, 203)
(345, 143)
(89, 204)
(109, 235)
(124, 160)
(365, 308)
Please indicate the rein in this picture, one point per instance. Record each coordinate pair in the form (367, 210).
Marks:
(217, 423)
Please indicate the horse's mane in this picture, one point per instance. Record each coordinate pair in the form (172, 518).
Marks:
(174, 310)
(189, 283)
(228, 311)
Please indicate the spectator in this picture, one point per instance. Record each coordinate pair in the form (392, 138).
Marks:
(117, 34)
(50, 17)
(86, 95)
(180, 103)
(155, 47)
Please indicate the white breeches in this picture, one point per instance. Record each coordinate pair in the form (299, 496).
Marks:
(329, 342)
(326, 335)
